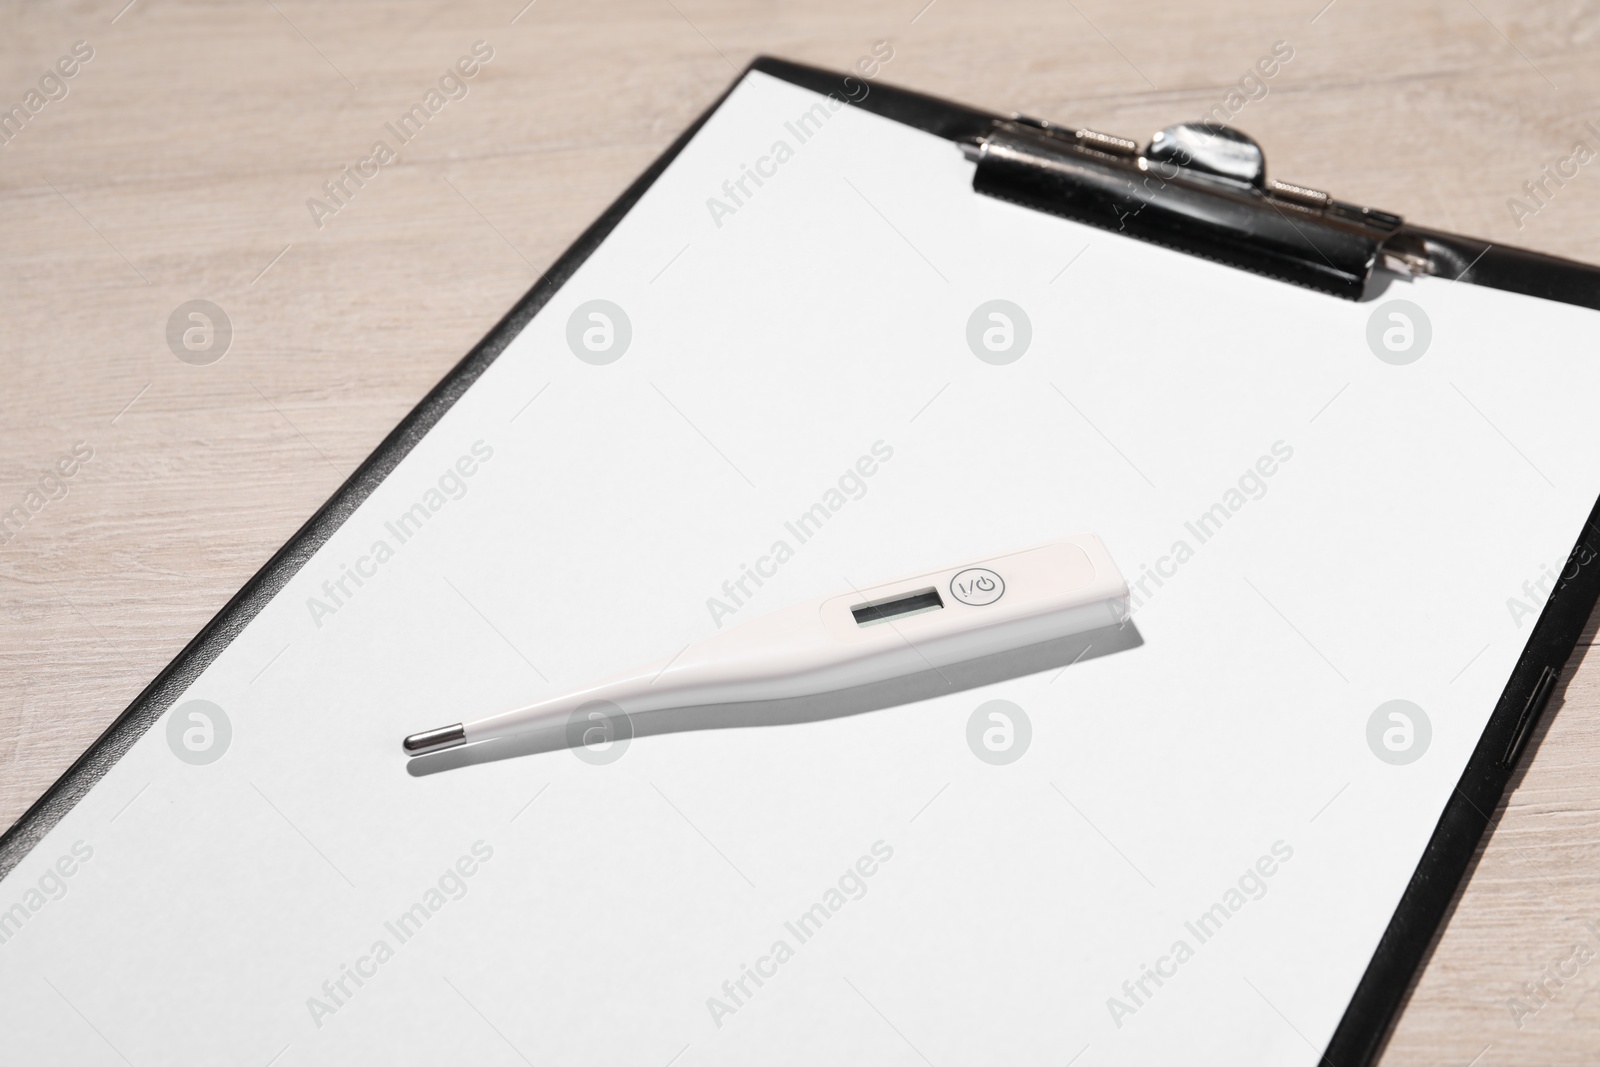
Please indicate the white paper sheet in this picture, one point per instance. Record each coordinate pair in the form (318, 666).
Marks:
(1010, 909)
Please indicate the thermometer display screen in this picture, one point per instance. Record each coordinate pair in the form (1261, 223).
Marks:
(913, 603)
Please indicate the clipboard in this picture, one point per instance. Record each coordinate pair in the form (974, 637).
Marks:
(1110, 182)
(1339, 250)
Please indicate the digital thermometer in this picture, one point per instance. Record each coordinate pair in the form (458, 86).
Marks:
(866, 635)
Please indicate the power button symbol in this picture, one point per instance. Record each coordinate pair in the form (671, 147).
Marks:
(977, 586)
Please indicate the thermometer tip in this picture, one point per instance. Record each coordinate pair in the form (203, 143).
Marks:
(435, 740)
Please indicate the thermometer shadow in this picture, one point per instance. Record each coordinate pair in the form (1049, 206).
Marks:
(856, 700)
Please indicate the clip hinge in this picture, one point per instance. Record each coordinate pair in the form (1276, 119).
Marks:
(1106, 142)
(1297, 194)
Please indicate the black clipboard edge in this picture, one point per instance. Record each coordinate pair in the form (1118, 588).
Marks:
(1507, 742)
(1450, 852)
(1515, 270)
(203, 649)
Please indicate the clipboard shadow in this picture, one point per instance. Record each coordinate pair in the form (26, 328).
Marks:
(856, 700)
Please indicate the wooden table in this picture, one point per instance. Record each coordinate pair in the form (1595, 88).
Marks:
(178, 164)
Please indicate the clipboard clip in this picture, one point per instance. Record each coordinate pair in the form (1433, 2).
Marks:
(1198, 188)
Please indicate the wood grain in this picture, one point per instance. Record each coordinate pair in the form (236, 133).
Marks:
(179, 163)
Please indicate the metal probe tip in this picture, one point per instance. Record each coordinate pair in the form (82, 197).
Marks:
(435, 740)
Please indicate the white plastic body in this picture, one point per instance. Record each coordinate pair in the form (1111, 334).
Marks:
(1051, 591)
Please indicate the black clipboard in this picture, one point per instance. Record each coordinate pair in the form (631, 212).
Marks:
(1177, 193)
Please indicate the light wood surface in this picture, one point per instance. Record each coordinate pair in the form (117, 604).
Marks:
(179, 163)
